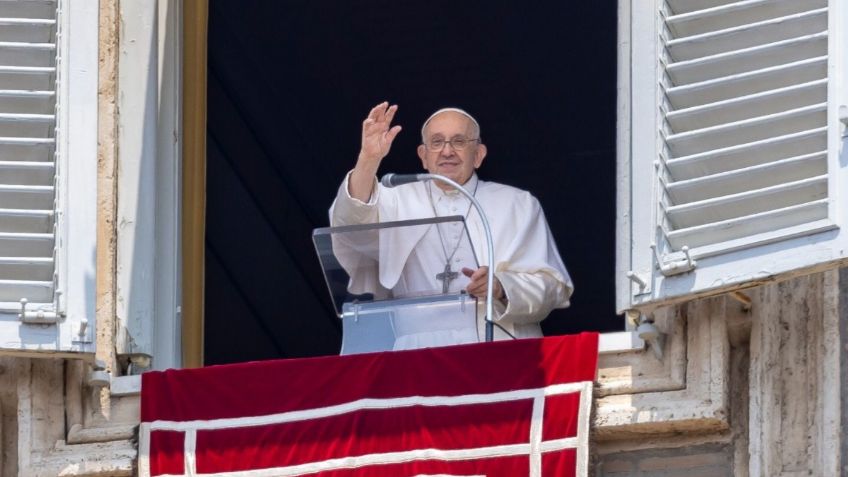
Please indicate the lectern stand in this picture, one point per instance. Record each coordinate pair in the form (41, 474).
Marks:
(391, 287)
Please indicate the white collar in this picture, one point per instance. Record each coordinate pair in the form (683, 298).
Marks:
(470, 185)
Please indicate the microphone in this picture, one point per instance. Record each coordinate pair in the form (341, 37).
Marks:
(393, 180)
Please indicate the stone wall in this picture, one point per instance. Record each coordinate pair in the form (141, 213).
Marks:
(763, 388)
(52, 423)
(696, 461)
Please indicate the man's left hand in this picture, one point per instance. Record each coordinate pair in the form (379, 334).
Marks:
(478, 285)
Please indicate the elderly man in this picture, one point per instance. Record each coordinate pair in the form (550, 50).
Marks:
(530, 278)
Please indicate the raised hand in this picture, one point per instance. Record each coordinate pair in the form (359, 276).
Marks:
(378, 133)
(377, 136)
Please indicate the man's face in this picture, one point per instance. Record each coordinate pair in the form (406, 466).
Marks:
(456, 164)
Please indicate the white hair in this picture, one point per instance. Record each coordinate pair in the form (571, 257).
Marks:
(476, 125)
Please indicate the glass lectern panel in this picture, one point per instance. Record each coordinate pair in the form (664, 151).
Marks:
(399, 285)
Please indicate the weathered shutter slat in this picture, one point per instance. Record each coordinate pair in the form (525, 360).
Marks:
(749, 178)
(23, 77)
(709, 16)
(748, 154)
(40, 291)
(26, 244)
(27, 54)
(747, 130)
(749, 202)
(26, 196)
(748, 107)
(771, 30)
(29, 9)
(748, 59)
(27, 173)
(732, 230)
(30, 267)
(747, 83)
(26, 220)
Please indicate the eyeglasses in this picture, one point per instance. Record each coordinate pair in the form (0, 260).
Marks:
(457, 143)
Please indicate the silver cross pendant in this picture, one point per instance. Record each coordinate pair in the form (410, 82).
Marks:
(446, 277)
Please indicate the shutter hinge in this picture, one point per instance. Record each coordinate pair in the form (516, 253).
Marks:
(82, 335)
(675, 266)
(641, 281)
(37, 317)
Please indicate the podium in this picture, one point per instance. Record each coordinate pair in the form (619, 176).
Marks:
(397, 285)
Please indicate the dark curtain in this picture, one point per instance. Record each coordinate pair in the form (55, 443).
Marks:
(289, 84)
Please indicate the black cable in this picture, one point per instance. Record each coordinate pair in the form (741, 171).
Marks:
(477, 317)
(504, 330)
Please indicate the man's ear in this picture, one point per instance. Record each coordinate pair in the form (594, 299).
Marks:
(422, 154)
(479, 155)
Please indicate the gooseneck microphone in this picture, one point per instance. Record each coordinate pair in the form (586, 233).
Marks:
(394, 180)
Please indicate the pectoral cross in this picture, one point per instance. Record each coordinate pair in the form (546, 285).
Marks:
(446, 277)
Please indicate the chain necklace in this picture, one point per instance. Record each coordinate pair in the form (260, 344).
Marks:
(448, 275)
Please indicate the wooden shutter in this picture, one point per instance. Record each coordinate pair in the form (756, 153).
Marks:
(741, 150)
(27, 147)
(46, 231)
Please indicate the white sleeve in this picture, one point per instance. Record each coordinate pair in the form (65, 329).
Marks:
(530, 297)
(347, 210)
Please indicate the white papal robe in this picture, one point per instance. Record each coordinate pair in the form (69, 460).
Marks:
(527, 263)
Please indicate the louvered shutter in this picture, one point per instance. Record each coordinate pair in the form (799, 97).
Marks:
(33, 225)
(733, 143)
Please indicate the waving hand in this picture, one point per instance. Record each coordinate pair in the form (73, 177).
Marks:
(378, 133)
(377, 136)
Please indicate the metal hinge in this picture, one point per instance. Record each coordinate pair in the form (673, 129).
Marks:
(675, 266)
(37, 317)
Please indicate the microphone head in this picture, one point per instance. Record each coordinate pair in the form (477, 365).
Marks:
(394, 180)
(387, 179)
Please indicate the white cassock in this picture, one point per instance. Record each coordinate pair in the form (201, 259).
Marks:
(527, 262)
